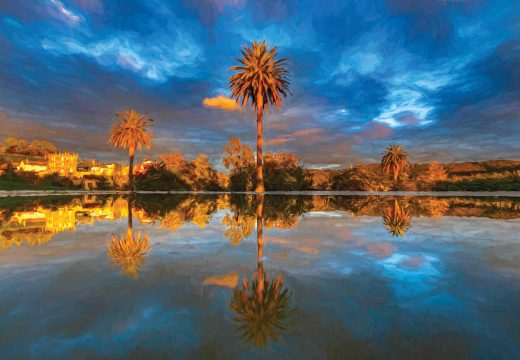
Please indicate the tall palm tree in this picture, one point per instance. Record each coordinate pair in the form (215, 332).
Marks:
(130, 131)
(394, 161)
(261, 78)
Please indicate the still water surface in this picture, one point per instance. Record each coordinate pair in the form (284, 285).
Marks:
(224, 277)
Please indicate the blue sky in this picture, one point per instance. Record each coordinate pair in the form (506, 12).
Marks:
(441, 77)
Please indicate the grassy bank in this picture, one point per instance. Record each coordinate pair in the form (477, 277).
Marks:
(10, 184)
(489, 184)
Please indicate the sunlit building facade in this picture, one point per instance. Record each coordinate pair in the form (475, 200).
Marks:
(65, 164)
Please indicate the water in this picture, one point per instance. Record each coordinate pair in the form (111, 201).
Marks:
(162, 276)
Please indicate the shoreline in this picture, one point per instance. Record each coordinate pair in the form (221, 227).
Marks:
(29, 193)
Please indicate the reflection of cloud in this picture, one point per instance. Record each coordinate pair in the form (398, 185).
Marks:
(307, 250)
(222, 103)
(411, 279)
(380, 250)
(227, 280)
(276, 240)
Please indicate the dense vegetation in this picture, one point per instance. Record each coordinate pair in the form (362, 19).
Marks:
(282, 172)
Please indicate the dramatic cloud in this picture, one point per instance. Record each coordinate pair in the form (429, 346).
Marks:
(151, 57)
(222, 103)
(58, 10)
(95, 6)
(439, 77)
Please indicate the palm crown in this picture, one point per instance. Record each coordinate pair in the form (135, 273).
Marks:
(131, 131)
(397, 219)
(261, 78)
(394, 161)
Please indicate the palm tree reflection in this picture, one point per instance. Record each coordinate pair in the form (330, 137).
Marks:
(261, 306)
(397, 219)
(128, 251)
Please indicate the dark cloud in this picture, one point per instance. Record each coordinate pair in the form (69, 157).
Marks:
(439, 76)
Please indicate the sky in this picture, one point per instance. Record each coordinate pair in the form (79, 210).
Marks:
(440, 77)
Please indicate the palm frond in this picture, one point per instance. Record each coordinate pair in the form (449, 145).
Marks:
(128, 252)
(397, 219)
(262, 309)
(262, 78)
(130, 131)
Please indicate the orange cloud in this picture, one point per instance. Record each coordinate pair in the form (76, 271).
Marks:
(278, 141)
(227, 280)
(222, 103)
(311, 135)
(307, 132)
(277, 126)
(377, 131)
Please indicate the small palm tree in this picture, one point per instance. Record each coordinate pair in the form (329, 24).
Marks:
(129, 250)
(394, 161)
(397, 219)
(261, 78)
(130, 131)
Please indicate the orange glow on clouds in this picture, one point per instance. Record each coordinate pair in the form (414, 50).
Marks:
(221, 102)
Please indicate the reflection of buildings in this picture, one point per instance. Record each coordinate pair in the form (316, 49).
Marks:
(38, 225)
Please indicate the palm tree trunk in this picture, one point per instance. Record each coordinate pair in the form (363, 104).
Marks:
(131, 172)
(259, 155)
(130, 218)
(396, 178)
(130, 229)
(260, 244)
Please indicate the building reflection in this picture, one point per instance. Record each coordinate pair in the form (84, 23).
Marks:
(35, 222)
(261, 305)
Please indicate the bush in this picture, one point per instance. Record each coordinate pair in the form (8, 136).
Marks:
(483, 184)
(243, 180)
(158, 178)
(355, 179)
(55, 180)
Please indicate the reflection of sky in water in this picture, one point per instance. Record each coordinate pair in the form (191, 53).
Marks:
(449, 288)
